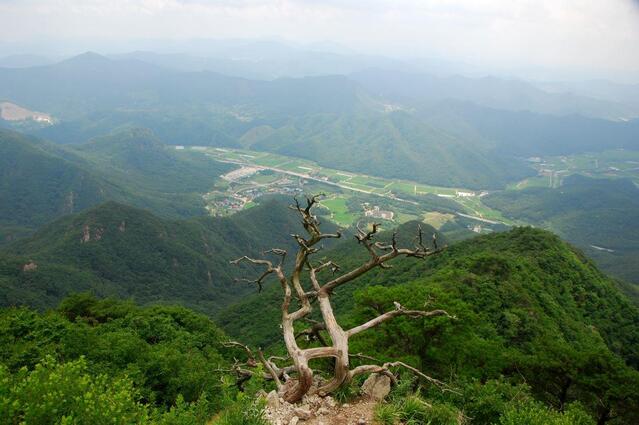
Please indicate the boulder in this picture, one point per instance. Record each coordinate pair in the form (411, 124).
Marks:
(322, 411)
(273, 400)
(302, 413)
(376, 387)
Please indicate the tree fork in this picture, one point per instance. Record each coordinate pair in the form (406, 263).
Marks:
(294, 389)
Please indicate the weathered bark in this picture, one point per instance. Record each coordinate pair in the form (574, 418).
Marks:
(293, 389)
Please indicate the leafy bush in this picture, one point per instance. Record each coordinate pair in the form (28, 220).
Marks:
(534, 413)
(153, 364)
(413, 410)
(67, 393)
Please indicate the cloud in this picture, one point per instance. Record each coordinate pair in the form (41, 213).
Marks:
(579, 33)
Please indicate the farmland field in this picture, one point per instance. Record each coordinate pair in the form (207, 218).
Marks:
(339, 212)
(347, 191)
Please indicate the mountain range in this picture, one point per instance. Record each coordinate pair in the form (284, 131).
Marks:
(466, 131)
(40, 181)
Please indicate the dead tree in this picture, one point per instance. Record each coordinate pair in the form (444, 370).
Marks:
(294, 388)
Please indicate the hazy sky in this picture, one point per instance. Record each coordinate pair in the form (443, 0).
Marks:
(559, 33)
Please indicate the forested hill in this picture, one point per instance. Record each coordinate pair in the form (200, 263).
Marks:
(40, 181)
(529, 307)
(37, 185)
(117, 250)
(598, 215)
(375, 143)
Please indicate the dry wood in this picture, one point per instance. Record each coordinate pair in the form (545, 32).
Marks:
(293, 389)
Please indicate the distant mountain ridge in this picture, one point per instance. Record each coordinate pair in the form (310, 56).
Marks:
(450, 131)
(513, 95)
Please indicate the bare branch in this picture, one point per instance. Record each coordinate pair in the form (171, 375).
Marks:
(266, 263)
(337, 346)
(385, 369)
(314, 332)
(251, 358)
(399, 311)
(269, 368)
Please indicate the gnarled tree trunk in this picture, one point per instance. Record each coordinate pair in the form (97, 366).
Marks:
(294, 388)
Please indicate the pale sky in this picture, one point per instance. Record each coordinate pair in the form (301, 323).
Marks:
(601, 34)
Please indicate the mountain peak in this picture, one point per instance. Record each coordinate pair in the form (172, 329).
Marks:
(86, 58)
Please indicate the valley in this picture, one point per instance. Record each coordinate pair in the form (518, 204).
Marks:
(191, 240)
(610, 164)
(351, 196)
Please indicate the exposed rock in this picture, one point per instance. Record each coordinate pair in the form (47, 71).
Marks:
(86, 234)
(316, 410)
(376, 386)
(272, 400)
(329, 401)
(302, 413)
(30, 266)
(322, 411)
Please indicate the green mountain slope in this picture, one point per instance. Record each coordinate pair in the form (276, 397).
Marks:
(122, 251)
(396, 145)
(432, 136)
(136, 156)
(529, 308)
(37, 186)
(40, 181)
(525, 133)
(598, 215)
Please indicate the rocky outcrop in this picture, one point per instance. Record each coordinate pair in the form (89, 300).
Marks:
(316, 410)
(376, 387)
(30, 266)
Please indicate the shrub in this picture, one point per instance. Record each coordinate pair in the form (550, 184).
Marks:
(68, 394)
(535, 413)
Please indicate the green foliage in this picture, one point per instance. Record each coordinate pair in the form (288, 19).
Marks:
(534, 413)
(67, 394)
(139, 159)
(131, 253)
(245, 411)
(494, 402)
(40, 182)
(385, 414)
(183, 413)
(534, 319)
(586, 212)
(413, 411)
(395, 145)
(169, 354)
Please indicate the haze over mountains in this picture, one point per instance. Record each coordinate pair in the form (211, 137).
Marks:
(459, 120)
(156, 169)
